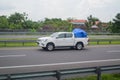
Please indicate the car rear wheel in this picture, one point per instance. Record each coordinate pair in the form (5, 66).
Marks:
(79, 46)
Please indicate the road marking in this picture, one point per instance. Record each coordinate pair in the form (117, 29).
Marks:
(12, 56)
(114, 51)
(58, 64)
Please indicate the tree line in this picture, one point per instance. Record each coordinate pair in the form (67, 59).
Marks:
(20, 21)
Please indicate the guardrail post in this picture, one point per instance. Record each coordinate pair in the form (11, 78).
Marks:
(97, 41)
(9, 77)
(58, 75)
(110, 41)
(98, 72)
(5, 43)
(23, 43)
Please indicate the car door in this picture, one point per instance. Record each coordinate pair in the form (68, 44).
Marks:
(69, 40)
(60, 40)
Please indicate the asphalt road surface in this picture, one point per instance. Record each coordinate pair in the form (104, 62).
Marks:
(32, 59)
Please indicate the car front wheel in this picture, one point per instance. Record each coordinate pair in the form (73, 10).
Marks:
(50, 47)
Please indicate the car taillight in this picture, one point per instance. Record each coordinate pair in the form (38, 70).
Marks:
(88, 40)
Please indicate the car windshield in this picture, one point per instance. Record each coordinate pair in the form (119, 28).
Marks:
(54, 34)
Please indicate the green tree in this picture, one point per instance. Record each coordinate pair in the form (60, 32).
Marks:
(17, 21)
(109, 28)
(4, 22)
(56, 24)
(115, 28)
(91, 21)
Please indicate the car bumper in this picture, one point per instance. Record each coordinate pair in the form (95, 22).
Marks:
(41, 44)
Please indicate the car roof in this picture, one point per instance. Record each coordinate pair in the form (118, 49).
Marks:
(63, 32)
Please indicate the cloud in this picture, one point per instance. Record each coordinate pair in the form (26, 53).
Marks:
(99, 3)
(5, 6)
(80, 9)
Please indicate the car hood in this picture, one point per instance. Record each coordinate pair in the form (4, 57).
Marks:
(44, 38)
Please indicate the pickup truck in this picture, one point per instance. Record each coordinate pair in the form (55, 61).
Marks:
(62, 39)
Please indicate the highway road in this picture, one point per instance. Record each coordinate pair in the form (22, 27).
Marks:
(32, 59)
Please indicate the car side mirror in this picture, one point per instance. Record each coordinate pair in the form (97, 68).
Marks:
(57, 37)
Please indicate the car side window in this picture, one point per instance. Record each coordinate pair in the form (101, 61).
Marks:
(61, 36)
(69, 35)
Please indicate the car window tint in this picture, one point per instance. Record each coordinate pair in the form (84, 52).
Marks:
(61, 36)
(69, 35)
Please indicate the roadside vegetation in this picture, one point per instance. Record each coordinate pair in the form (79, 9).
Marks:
(104, 77)
(19, 22)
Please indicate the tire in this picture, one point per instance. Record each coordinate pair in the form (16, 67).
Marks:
(43, 48)
(50, 47)
(79, 46)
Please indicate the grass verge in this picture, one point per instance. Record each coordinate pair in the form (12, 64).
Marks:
(18, 44)
(28, 44)
(104, 43)
(104, 77)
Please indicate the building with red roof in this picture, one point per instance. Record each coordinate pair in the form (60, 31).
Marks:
(79, 23)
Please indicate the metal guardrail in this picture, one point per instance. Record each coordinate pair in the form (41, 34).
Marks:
(50, 32)
(26, 33)
(107, 40)
(5, 42)
(59, 73)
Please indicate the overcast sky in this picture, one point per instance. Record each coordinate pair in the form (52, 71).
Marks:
(105, 10)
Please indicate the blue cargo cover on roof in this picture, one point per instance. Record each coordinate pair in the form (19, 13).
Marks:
(79, 33)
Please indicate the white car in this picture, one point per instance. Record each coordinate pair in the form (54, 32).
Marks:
(62, 39)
